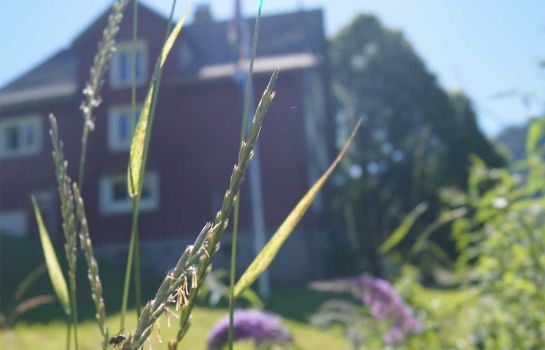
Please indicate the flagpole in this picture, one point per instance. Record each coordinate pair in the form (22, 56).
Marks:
(254, 171)
(258, 213)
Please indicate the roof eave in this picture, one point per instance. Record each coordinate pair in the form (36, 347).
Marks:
(35, 95)
(262, 66)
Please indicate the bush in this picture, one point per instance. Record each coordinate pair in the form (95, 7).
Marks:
(502, 244)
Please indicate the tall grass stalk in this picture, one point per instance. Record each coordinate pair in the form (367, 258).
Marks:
(231, 195)
(181, 286)
(136, 186)
(91, 93)
(69, 222)
(137, 284)
(92, 267)
(246, 109)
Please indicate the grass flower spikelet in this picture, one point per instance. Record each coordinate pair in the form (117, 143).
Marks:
(92, 265)
(195, 261)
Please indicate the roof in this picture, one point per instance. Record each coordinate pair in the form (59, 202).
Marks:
(280, 34)
(56, 76)
(291, 41)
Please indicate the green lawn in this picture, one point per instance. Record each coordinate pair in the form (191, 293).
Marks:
(52, 336)
(295, 305)
(44, 328)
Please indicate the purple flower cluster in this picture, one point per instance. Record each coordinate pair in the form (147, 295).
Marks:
(384, 304)
(259, 326)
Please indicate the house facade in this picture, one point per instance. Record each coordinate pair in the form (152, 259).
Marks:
(194, 142)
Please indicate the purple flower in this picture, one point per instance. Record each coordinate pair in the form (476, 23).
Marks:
(384, 304)
(259, 326)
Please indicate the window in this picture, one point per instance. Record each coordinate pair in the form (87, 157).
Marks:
(119, 126)
(121, 64)
(14, 222)
(115, 199)
(187, 56)
(20, 136)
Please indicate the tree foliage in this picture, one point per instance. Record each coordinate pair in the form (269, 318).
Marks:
(415, 139)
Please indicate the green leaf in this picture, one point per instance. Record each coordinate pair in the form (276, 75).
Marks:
(53, 267)
(535, 132)
(28, 281)
(268, 253)
(443, 219)
(397, 236)
(140, 138)
(252, 298)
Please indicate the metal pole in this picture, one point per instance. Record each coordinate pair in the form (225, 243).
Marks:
(258, 213)
(254, 171)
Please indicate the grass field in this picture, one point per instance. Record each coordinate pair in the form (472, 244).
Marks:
(44, 327)
(52, 336)
(294, 305)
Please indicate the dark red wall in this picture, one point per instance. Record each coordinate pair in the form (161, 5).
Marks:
(194, 146)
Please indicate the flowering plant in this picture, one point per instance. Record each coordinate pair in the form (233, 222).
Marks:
(383, 305)
(264, 329)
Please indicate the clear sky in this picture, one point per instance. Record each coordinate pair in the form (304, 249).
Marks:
(488, 48)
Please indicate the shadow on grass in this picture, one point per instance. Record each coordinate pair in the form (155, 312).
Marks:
(297, 302)
(20, 256)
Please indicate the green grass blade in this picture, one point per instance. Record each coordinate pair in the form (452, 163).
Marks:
(137, 282)
(535, 132)
(27, 305)
(401, 231)
(139, 151)
(443, 219)
(140, 140)
(252, 298)
(53, 266)
(28, 281)
(268, 253)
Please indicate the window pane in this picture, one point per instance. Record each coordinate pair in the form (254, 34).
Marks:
(12, 138)
(124, 127)
(137, 115)
(146, 191)
(186, 56)
(138, 61)
(123, 67)
(119, 191)
(29, 135)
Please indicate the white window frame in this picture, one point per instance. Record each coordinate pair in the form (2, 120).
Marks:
(19, 122)
(114, 142)
(127, 47)
(108, 206)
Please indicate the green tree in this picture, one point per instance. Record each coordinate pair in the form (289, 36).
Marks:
(415, 139)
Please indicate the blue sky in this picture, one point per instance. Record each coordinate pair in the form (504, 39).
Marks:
(488, 48)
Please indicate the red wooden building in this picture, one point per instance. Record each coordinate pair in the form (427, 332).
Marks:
(194, 142)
